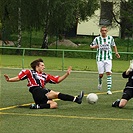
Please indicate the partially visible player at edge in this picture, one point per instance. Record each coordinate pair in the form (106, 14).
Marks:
(103, 45)
(37, 80)
(128, 90)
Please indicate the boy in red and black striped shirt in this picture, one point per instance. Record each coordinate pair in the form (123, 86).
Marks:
(37, 80)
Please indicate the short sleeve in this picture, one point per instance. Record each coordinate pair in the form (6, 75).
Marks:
(23, 74)
(95, 42)
(52, 79)
(112, 41)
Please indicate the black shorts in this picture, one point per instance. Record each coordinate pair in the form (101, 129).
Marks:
(39, 94)
(127, 93)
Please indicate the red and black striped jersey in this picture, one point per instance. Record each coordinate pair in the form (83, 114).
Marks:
(37, 79)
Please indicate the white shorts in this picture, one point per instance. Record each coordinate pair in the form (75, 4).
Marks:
(104, 66)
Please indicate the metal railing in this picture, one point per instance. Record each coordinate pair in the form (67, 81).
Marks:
(57, 50)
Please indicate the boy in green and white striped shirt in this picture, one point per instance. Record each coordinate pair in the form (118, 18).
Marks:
(103, 45)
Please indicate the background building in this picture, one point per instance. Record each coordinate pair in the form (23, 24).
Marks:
(102, 16)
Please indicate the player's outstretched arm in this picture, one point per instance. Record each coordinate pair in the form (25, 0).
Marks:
(14, 79)
(65, 75)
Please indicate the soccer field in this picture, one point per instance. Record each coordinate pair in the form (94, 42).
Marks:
(16, 117)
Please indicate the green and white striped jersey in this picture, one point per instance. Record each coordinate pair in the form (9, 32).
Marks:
(104, 52)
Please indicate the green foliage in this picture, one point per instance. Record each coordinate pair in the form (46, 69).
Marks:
(0, 25)
(82, 44)
(86, 8)
(126, 17)
(52, 16)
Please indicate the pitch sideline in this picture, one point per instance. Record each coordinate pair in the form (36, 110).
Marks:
(67, 116)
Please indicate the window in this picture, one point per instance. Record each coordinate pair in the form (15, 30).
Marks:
(106, 13)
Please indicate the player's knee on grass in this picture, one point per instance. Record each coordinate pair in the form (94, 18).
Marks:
(122, 103)
(53, 105)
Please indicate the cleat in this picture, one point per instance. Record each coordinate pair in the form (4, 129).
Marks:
(109, 92)
(99, 86)
(116, 103)
(34, 106)
(80, 97)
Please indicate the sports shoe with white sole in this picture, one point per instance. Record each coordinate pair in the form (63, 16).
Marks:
(80, 97)
(99, 86)
(109, 92)
(34, 106)
(116, 103)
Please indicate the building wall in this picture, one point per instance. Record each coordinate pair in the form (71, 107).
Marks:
(91, 27)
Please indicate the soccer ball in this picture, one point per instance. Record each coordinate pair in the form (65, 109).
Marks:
(92, 98)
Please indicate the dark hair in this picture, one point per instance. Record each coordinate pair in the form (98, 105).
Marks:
(35, 63)
(103, 26)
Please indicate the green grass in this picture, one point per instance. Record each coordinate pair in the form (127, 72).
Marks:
(55, 63)
(69, 117)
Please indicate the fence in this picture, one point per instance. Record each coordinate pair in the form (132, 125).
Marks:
(57, 53)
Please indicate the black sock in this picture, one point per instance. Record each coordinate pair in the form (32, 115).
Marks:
(76, 100)
(65, 97)
(46, 106)
(117, 103)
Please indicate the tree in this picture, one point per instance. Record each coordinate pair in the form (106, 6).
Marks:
(63, 15)
(52, 16)
(10, 15)
(4, 20)
(126, 18)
